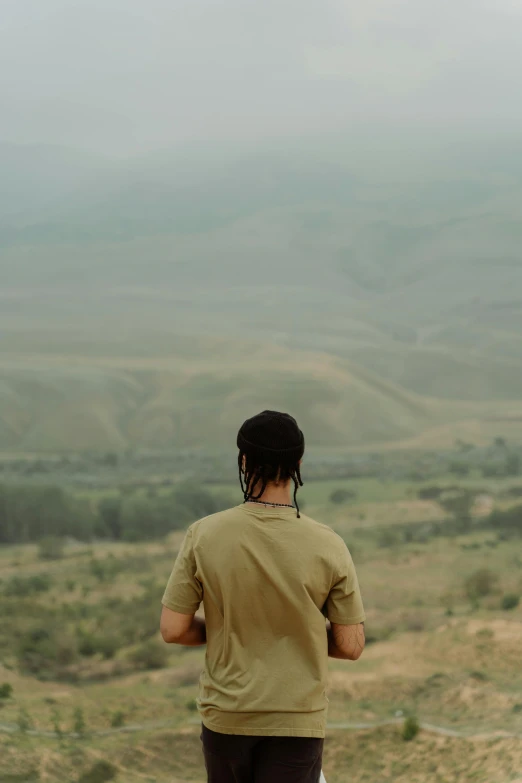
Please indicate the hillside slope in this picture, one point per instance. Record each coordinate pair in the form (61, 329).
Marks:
(65, 403)
(379, 295)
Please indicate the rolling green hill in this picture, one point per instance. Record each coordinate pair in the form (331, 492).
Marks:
(63, 402)
(156, 302)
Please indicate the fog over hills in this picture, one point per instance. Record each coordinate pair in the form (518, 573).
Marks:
(222, 206)
(407, 277)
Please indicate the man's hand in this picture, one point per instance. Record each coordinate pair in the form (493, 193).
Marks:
(185, 629)
(345, 641)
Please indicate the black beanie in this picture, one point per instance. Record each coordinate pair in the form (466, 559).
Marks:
(272, 438)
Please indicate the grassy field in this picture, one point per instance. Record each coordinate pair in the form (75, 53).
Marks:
(435, 651)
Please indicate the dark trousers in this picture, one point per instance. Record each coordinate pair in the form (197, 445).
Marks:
(231, 758)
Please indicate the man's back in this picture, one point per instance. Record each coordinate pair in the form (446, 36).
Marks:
(267, 580)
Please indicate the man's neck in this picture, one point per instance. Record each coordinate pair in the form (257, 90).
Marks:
(277, 495)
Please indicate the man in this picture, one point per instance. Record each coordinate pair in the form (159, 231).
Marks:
(267, 577)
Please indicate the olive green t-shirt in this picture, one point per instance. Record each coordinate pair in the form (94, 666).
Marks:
(267, 581)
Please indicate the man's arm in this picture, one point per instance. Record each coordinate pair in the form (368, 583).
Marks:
(185, 629)
(345, 641)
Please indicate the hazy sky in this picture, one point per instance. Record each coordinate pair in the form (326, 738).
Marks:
(129, 75)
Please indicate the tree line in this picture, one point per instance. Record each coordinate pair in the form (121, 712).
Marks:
(32, 513)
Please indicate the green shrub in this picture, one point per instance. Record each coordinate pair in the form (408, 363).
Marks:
(24, 721)
(447, 600)
(101, 772)
(410, 728)
(143, 519)
(193, 501)
(109, 510)
(57, 722)
(481, 676)
(139, 617)
(105, 645)
(513, 465)
(416, 475)
(30, 513)
(22, 587)
(510, 601)
(45, 651)
(459, 468)
(6, 690)
(110, 459)
(340, 496)
(79, 722)
(140, 518)
(51, 548)
(117, 719)
(514, 492)
(98, 569)
(374, 634)
(150, 655)
(191, 705)
(86, 645)
(430, 493)
(387, 538)
(458, 503)
(506, 522)
(480, 583)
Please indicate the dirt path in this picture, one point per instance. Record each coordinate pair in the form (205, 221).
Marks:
(11, 728)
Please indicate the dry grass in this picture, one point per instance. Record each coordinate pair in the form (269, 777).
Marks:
(461, 672)
(359, 757)
(381, 755)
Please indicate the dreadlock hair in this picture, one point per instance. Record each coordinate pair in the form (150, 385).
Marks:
(270, 445)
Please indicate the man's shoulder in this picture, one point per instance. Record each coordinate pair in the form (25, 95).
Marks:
(218, 518)
(306, 527)
(320, 529)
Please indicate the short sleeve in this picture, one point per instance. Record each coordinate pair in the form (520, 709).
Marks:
(184, 592)
(344, 603)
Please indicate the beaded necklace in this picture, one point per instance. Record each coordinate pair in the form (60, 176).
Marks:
(262, 503)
